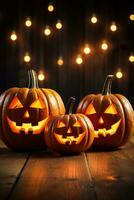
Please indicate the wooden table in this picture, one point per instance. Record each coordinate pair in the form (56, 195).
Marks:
(88, 176)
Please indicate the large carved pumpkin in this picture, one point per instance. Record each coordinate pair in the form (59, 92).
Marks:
(70, 133)
(111, 114)
(23, 114)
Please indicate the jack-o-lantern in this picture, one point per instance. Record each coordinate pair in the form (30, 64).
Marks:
(70, 133)
(24, 112)
(111, 114)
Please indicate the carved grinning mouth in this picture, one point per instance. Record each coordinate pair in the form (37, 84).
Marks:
(26, 128)
(69, 140)
(106, 132)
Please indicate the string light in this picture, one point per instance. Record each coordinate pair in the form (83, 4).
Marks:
(113, 27)
(79, 59)
(59, 24)
(94, 19)
(27, 58)
(50, 7)
(104, 46)
(41, 76)
(60, 61)
(119, 74)
(13, 36)
(47, 30)
(131, 57)
(28, 22)
(86, 49)
(131, 17)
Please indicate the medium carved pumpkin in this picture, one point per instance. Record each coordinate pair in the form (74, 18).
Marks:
(24, 112)
(111, 114)
(70, 133)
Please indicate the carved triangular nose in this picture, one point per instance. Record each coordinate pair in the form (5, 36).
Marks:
(101, 121)
(69, 130)
(26, 114)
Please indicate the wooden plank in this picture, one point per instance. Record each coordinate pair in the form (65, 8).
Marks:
(52, 177)
(11, 164)
(113, 173)
(2, 145)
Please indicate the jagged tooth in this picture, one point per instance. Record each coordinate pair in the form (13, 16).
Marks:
(30, 131)
(73, 142)
(18, 123)
(22, 131)
(34, 123)
(68, 142)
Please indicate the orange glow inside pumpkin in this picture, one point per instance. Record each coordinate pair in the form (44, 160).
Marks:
(90, 110)
(111, 110)
(61, 124)
(69, 140)
(26, 127)
(37, 104)
(15, 103)
(67, 137)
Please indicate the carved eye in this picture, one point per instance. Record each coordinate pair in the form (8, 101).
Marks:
(77, 124)
(37, 104)
(111, 110)
(15, 103)
(61, 124)
(90, 110)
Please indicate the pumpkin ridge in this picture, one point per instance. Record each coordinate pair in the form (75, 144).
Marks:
(86, 143)
(129, 127)
(91, 130)
(58, 100)
(8, 95)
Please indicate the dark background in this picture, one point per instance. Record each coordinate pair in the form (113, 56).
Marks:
(69, 79)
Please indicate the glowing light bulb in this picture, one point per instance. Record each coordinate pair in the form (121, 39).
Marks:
(86, 49)
(27, 58)
(79, 60)
(119, 74)
(131, 17)
(47, 31)
(59, 25)
(50, 7)
(13, 36)
(113, 27)
(41, 76)
(28, 22)
(131, 58)
(60, 61)
(94, 19)
(104, 46)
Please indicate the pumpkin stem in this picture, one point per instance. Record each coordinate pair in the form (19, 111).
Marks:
(70, 105)
(33, 81)
(107, 85)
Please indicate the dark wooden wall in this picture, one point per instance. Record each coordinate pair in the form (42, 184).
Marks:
(70, 79)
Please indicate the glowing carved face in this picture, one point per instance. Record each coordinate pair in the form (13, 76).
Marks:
(26, 119)
(106, 123)
(69, 134)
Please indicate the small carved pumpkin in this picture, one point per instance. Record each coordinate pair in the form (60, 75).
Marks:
(24, 112)
(111, 115)
(70, 133)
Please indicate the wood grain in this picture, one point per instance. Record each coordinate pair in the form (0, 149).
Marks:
(113, 173)
(11, 165)
(55, 177)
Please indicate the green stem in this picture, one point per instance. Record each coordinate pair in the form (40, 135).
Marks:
(33, 81)
(107, 85)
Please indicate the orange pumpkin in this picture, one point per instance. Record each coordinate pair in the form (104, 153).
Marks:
(111, 114)
(24, 112)
(70, 133)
